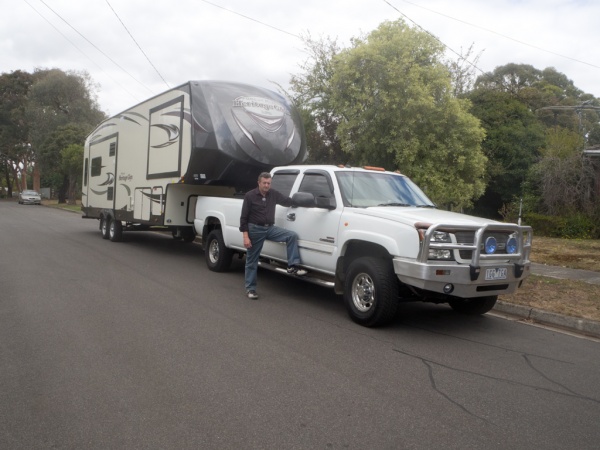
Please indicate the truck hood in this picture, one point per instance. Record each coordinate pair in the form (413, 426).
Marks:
(412, 215)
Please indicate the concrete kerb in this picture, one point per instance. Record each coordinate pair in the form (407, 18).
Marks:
(575, 324)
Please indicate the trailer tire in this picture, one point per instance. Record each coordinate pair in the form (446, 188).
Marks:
(115, 230)
(218, 257)
(104, 223)
(474, 306)
(371, 291)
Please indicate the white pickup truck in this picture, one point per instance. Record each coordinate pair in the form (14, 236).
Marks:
(376, 238)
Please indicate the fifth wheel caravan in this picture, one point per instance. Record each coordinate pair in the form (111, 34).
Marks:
(144, 168)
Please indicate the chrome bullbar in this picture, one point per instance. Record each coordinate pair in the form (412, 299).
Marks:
(502, 272)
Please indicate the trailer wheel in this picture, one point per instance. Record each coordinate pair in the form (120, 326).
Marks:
(115, 230)
(218, 257)
(104, 222)
(371, 291)
(474, 306)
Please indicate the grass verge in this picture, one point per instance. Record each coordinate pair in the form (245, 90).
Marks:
(568, 297)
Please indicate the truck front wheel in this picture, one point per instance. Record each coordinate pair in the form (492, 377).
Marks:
(218, 257)
(371, 291)
(474, 306)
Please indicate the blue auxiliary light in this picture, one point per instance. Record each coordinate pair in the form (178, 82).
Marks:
(512, 245)
(490, 245)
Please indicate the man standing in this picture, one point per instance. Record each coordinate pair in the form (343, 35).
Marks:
(257, 225)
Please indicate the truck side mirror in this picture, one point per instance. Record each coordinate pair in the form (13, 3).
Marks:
(305, 199)
(325, 202)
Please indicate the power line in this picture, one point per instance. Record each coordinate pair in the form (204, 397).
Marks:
(80, 51)
(253, 20)
(435, 37)
(96, 47)
(499, 34)
(138, 45)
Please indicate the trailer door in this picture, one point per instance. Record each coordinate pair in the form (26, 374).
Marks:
(102, 168)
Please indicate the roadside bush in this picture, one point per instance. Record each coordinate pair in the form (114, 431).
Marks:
(576, 226)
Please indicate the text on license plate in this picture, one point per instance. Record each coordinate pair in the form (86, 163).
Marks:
(496, 274)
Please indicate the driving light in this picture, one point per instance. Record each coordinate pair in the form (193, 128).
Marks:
(490, 245)
(448, 288)
(512, 245)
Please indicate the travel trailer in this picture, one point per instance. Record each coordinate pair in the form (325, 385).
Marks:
(144, 168)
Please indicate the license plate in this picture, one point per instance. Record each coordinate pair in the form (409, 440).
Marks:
(496, 274)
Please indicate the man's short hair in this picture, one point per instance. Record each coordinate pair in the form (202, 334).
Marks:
(264, 175)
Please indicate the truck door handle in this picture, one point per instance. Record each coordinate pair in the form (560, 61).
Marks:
(291, 217)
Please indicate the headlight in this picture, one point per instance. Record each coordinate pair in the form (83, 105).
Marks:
(490, 245)
(440, 236)
(512, 245)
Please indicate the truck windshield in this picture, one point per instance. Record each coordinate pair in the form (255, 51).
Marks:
(366, 189)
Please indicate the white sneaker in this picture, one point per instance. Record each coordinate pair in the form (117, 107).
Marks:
(295, 271)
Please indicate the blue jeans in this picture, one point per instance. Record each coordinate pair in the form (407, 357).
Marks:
(258, 235)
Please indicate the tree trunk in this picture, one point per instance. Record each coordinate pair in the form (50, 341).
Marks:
(62, 192)
(24, 177)
(36, 178)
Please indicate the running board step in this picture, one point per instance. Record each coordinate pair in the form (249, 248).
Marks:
(310, 277)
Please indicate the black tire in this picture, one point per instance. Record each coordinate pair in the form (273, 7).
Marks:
(474, 306)
(371, 291)
(104, 224)
(188, 234)
(218, 257)
(115, 230)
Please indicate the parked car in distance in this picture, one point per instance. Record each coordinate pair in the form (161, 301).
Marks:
(30, 198)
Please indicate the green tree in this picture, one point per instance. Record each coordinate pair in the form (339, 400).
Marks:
(513, 138)
(562, 179)
(395, 97)
(14, 127)
(311, 92)
(71, 163)
(51, 158)
(58, 99)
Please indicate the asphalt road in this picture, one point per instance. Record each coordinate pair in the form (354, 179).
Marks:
(137, 345)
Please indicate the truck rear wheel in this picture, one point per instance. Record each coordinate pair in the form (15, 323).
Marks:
(474, 306)
(371, 291)
(218, 257)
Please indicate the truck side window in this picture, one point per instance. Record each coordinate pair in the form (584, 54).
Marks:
(318, 185)
(284, 181)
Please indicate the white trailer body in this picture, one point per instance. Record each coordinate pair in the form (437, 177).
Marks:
(144, 167)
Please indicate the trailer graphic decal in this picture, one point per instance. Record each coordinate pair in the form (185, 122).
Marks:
(172, 133)
(110, 179)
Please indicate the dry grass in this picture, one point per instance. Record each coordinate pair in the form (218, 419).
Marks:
(573, 253)
(572, 298)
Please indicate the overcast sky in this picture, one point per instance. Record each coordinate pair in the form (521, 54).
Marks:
(258, 41)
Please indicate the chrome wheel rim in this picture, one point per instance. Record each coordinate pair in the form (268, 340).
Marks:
(363, 292)
(213, 251)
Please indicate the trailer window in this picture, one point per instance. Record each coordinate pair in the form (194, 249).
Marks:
(85, 172)
(96, 166)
